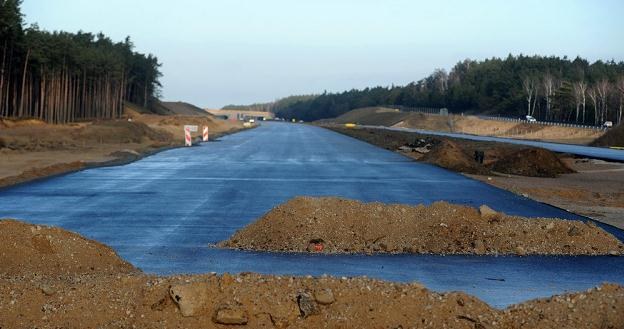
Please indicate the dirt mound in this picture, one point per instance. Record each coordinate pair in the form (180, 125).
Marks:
(613, 137)
(29, 249)
(534, 162)
(51, 278)
(334, 225)
(449, 154)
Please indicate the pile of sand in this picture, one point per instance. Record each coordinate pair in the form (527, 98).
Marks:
(34, 249)
(533, 162)
(334, 225)
(50, 278)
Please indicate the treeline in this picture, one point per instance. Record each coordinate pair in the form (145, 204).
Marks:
(277, 105)
(548, 88)
(61, 77)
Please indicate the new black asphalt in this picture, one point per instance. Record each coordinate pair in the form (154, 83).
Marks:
(163, 213)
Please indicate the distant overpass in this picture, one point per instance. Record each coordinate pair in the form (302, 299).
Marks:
(241, 115)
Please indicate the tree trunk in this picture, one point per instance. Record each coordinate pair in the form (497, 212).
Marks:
(583, 104)
(21, 104)
(620, 110)
(2, 77)
(43, 94)
(8, 88)
(145, 93)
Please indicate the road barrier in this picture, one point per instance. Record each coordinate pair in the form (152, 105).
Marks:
(187, 134)
(187, 137)
(205, 134)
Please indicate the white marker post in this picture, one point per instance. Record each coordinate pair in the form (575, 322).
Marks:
(187, 134)
(205, 135)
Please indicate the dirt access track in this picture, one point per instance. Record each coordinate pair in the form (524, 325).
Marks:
(51, 278)
(32, 149)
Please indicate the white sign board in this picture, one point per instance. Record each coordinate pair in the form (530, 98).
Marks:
(190, 128)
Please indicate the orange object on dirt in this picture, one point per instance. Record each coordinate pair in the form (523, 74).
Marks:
(318, 247)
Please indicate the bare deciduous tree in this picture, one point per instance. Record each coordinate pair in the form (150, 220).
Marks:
(603, 88)
(579, 89)
(530, 89)
(548, 84)
(619, 86)
(441, 80)
(593, 95)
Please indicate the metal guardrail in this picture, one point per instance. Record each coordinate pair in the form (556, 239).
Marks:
(440, 111)
(547, 123)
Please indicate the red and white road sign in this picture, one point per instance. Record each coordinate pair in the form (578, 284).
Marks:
(205, 135)
(187, 136)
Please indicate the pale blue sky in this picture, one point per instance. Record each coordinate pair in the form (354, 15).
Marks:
(220, 52)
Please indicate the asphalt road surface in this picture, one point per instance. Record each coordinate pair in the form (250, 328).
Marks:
(163, 212)
(587, 151)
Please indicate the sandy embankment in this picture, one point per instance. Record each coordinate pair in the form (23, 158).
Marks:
(50, 278)
(467, 124)
(32, 149)
(335, 225)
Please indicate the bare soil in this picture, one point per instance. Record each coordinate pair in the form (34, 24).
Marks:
(48, 251)
(31, 149)
(49, 283)
(335, 225)
(596, 189)
(458, 154)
